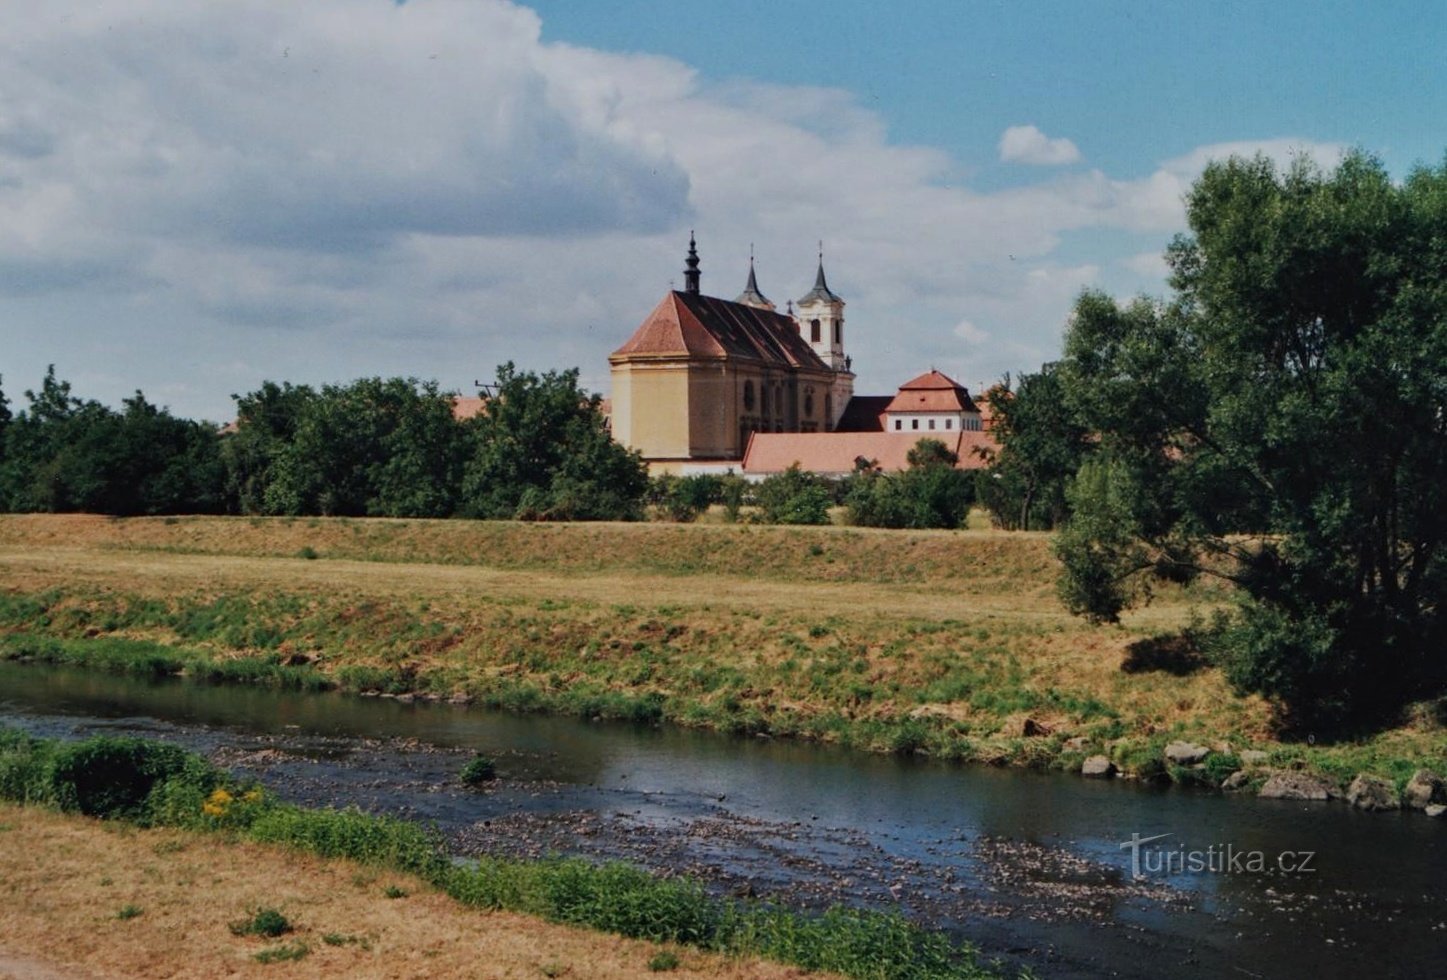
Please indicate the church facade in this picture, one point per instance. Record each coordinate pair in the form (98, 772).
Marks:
(710, 385)
(701, 374)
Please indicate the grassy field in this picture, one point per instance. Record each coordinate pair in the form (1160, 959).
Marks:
(947, 643)
(110, 899)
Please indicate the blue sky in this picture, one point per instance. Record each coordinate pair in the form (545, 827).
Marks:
(198, 197)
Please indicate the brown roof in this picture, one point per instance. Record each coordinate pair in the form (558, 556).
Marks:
(836, 452)
(932, 392)
(693, 325)
(466, 408)
(864, 413)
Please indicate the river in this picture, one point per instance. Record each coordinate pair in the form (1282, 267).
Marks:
(1027, 865)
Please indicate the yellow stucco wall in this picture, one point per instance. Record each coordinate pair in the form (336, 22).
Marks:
(650, 411)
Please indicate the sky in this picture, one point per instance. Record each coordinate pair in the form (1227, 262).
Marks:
(198, 197)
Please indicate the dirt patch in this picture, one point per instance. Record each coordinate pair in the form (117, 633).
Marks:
(88, 899)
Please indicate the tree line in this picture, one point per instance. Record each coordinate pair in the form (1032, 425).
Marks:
(393, 448)
(1279, 421)
(374, 447)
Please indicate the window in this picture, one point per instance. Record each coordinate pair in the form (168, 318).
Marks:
(764, 399)
(748, 396)
(898, 424)
(814, 331)
(914, 423)
(809, 405)
(838, 333)
(949, 423)
(932, 424)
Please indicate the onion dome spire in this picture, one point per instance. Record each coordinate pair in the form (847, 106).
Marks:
(690, 273)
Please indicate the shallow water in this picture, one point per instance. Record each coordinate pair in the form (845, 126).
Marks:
(1028, 865)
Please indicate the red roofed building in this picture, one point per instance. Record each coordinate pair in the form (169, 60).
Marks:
(707, 384)
(840, 453)
(932, 402)
(700, 375)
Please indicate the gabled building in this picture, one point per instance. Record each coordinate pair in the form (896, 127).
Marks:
(932, 402)
(880, 431)
(701, 374)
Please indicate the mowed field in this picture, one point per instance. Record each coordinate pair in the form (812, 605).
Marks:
(111, 900)
(950, 643)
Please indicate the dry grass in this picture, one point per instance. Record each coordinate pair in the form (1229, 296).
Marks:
(67, 878)
(557, 605)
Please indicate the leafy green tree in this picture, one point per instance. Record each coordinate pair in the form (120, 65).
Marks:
(794, 497)
(65, 454)
(540, 450)
(384, 447)
(683, 498)
(266, 424)
(1042, 444)
(4, 420)
(931, 493)
(1281, 421)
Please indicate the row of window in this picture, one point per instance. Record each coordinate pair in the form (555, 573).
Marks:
(779, 400)
(949, 424)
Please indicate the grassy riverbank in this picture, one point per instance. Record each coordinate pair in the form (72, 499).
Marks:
(397, 911)
(946, 643)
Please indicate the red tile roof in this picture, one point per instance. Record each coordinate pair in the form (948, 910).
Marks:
(466, 408)
(693, 325)
(932, 392)
(832, 453)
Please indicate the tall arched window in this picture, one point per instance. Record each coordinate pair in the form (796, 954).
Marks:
(748, 396)
(814, 331)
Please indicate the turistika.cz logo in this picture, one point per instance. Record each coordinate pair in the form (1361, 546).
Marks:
(1147, 857)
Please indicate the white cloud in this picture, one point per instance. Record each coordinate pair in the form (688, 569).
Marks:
(970, 333)
(340, 188)
(1148, 265)
(1027, 144)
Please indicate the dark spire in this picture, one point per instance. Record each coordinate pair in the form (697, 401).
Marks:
(751, 295)
(820, 292)
(691, 273)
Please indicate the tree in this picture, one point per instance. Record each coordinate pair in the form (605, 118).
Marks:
(1042, 444)
(65, 454)
(266, 423)
(540, 450)
(1281, 421)
(793, 497)
(931, 493)
(384, 447)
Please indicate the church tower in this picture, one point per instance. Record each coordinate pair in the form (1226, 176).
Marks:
(751, 295)
(820, 315)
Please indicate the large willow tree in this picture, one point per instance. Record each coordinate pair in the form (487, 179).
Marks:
(1281, 420)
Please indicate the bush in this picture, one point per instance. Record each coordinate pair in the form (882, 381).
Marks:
(268, 922)
(931, 493)
(478, 771)
(683, 498)
(794, 497)
(114, 777)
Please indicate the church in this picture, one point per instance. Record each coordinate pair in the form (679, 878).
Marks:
(707, 385)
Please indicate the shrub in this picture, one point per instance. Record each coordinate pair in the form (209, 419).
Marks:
(268, 922)
(113, 777)
(663, 961)
(477, 771)
(794, 497)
